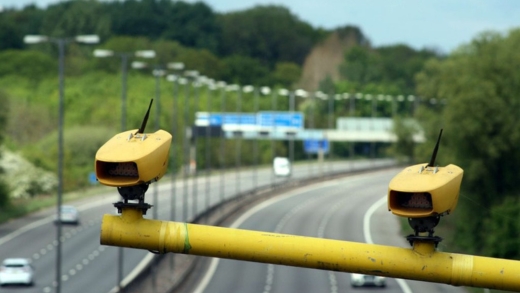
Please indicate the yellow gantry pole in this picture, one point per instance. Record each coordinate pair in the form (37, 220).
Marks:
(421, 262)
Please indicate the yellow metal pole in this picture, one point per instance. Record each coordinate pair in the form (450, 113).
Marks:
(420, 263)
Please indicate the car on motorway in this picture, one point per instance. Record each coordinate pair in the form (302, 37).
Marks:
(68, 215)
(281, 166)
(359, 280)
(14, 271)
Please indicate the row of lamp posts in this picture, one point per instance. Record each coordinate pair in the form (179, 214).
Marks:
(61, 43)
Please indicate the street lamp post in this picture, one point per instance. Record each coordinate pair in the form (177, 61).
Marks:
(210, 87)
(397, 106)
(291, 109)
(273, 127)
(290, 94)
(352, 111)
(321, 152)
(175, 79)
(222, 86)
(61, 42)
(238, 89)
(313, 97)
(158, 72)
(265, 91)
(413, 100)
(185, 161)
(102, 53)
(194, 75)
(304, 94)
(249, 89)
(199, 81)
(238, 140)
(373, 101)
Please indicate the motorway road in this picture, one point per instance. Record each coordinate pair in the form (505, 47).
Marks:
(351, 208)
(87, 266)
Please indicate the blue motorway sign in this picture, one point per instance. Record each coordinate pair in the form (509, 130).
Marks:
(281, 119)
(239, 118)
(313, 146)
(216, 119)
(261, 119)
(92, 179)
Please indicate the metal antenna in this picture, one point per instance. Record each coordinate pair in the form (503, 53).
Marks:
(143, 125)
(434, 155)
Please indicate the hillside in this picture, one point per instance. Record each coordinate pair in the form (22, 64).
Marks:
(325, 57)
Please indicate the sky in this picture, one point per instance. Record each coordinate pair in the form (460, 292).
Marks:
(443, 25)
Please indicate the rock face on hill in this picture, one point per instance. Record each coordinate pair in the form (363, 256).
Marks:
(325, 58)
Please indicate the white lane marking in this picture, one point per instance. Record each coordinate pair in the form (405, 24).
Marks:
(321, 233)
(366, 219)
(78, 267)
(133, 274)
(368, 237)
(49, 219)
(278, 229)
(24, 229)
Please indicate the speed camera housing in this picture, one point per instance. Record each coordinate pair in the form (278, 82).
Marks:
(132, 158)
(421, 191)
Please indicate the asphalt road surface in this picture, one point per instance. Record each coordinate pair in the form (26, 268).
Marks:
(351, 208)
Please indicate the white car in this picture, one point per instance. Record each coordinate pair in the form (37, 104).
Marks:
(68, 215)
(281, 166)
(16, 271)
(358, 280)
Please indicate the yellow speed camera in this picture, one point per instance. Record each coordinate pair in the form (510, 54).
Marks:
(133, 157)
(422, 191)
(425, 190)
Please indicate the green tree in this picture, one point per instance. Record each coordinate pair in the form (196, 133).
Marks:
(404, 148)
(267, 33)
(286, 74)
(32, 64)
(15, 24)
(504, 222)
(393, 66)
(479, 84)
(244, 70)
(202, 60)
(192, 25)
(361, 65)
(71, 18)
(9, 33)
